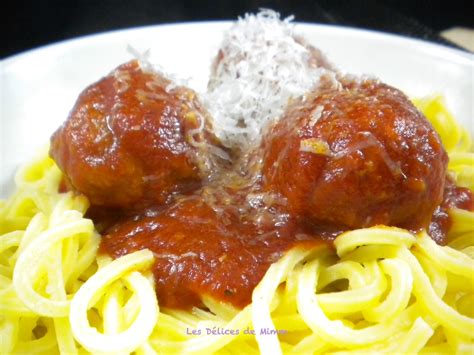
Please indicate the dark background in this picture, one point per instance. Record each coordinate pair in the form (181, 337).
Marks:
(30, 24)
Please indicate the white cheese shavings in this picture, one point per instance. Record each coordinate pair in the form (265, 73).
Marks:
(261, 66)
(316, 115)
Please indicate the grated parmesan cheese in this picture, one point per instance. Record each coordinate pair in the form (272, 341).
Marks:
(316, 115)
(261, 66)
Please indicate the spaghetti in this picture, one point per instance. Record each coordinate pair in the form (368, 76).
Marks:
(382, 289)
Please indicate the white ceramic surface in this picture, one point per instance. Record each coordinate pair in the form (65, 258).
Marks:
(38, 88)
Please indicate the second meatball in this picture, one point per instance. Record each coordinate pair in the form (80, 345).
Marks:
(356, 157)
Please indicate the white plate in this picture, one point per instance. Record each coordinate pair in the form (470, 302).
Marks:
(39, 87)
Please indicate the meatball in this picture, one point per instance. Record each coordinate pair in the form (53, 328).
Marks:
(133, 139)
(356, 156)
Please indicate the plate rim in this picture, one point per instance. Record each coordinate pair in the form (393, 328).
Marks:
(455, 55)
